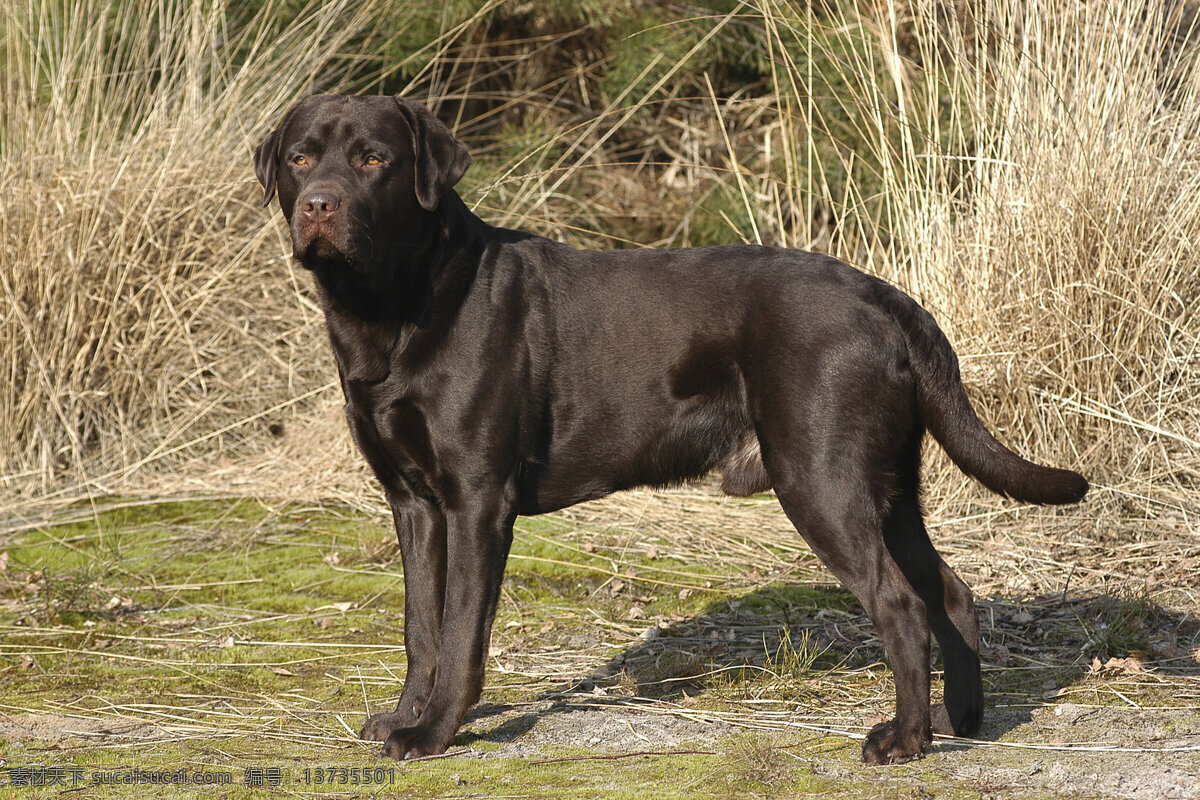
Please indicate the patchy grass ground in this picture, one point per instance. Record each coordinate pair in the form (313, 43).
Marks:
(674, 643)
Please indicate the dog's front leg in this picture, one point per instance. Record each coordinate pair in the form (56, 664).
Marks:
(477, 546)
(421, 531)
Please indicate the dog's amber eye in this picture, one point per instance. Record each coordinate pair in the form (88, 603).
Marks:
(299, 161)
(373, 161)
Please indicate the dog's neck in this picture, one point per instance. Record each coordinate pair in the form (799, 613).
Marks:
(416, 293)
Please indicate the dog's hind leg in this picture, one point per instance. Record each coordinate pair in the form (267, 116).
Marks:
(836, 416)
(950, 611)
(840, 519)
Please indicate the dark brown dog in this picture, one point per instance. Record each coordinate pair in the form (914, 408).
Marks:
(490, 373)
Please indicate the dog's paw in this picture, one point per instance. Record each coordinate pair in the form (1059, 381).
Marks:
(380, 726)
(887, 743)
(415, 742)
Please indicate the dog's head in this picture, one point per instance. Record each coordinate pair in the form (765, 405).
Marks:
(357, 177)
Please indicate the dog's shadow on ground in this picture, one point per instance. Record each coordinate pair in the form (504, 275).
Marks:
(809, 646)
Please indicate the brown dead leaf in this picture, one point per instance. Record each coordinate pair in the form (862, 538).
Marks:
(1131, 665)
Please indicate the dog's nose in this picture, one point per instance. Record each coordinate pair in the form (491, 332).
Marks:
(319, 206)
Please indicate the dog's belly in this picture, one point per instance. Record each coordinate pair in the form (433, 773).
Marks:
(637, 444)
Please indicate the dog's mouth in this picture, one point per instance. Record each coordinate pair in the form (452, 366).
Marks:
(320, 249)
(317, 245)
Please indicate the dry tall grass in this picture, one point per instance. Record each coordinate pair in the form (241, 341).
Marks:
(1033, 178)
(1043, 195)
(146, 306)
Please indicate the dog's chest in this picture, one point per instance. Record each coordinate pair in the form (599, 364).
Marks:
(393, 435)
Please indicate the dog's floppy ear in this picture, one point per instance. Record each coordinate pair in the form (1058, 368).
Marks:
(441, 160)
(266, 163)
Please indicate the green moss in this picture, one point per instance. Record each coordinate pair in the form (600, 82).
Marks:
(266, 635)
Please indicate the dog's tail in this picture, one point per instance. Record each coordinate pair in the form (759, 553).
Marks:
(948, 415)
